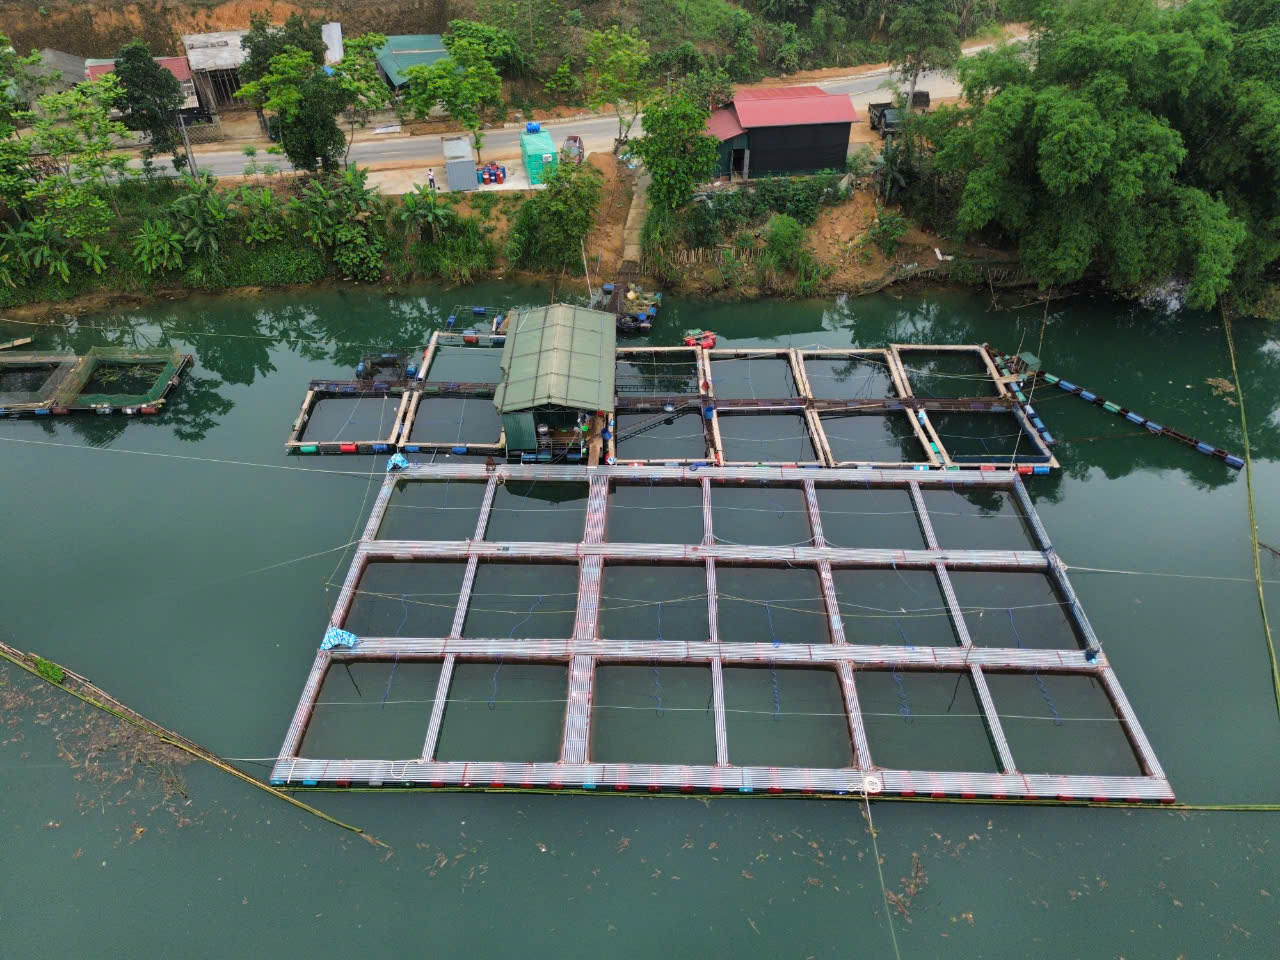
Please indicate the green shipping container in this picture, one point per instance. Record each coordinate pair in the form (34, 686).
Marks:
(540, 155)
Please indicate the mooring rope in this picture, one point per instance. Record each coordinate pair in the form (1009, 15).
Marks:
(1253, 517)
(884, 891)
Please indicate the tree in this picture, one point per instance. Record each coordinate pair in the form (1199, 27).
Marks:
(307, 100)
(150, 98)
(709, 87)
(553, 223)
(75, 131)
(264, 42)
(501, 48)
(618, 73)
(279, 87)
(311, 139)
(465, 82)
(342, 216)
(1130, 145)
(358, 75)
(676, 149)
(923, 35)
(21, 79)
(421, 209)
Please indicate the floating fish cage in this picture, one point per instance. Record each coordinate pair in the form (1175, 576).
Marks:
(350, 416)
(387, 367)
(722, 630)
(105, 380)
(689, 406)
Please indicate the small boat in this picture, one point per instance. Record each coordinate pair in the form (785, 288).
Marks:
(630, 323)
(634, 309)
(705, 339)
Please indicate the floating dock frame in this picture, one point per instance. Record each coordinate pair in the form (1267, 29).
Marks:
(348, 390)
(585, 648)
(636, 396)
(63, 391)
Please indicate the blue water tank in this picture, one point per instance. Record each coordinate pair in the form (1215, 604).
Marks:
(533, 126)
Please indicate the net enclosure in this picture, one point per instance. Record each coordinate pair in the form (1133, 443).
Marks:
(761, 657)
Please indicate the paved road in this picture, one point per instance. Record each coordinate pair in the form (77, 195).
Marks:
(597, 133)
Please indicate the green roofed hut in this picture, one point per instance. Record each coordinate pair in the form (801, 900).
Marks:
(409, 50)
(556, 379)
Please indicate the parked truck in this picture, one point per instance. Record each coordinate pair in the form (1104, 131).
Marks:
(886, 118)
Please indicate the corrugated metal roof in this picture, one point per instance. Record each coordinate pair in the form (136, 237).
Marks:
(455, 148)
(178, 66)
(723, 124)
(68, 65)
(215, 51)
(559, 354)
(410, 50)
(779, 93)
(799, 110)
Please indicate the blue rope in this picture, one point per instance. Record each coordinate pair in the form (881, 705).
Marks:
(904, 705)
(656, 696)
(491, 701)
(777, 691)
(394, 664)
(769, 613)
(903, 634)
(404, 603)
(1044, 690)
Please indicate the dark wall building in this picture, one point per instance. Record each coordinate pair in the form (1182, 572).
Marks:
(781, 131)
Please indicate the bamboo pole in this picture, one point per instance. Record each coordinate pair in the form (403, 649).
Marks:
(95, 696)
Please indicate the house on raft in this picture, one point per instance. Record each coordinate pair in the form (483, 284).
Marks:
(782, 131)
(556, 389)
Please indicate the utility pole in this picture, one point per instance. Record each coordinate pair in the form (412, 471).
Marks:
(191, 157)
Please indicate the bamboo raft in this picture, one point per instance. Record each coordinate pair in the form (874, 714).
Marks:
(584, 648)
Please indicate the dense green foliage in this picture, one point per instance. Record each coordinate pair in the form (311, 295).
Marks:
(1138, 141)
(786, 264)
(150, 97)
(923, 35)
(306, 99)
(676, 150)
(618, 74)
(553, 223)
(465, 83)
(264, 42)
(709, 222)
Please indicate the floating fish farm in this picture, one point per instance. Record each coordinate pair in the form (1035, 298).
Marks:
(754, 630)
(932, 407)
(105, 380)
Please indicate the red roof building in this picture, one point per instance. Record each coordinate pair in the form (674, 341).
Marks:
(781, 131)
(178, 66)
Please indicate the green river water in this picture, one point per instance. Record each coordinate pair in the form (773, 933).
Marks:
(131, 569)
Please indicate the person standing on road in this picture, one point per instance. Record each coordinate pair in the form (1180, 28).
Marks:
(431, 178)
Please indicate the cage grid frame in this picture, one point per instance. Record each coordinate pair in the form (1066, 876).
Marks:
(584, 649)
